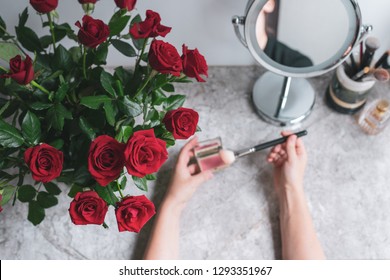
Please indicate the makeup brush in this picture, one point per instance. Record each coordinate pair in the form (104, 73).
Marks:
(359, 75)
(229, 156)
(380, 75)
(382, 59)
(372, 44)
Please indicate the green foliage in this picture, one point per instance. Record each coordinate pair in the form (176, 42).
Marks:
(72, 100)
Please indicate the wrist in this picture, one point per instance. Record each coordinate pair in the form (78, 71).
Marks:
(173, 205)
(291, 200)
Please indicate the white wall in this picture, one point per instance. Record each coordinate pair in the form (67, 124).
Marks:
(204, 24)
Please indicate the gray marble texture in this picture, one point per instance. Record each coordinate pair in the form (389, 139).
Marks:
(235, 215)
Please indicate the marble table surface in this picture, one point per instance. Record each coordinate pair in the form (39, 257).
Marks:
(235, 215)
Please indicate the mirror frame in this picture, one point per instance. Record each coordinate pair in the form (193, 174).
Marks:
(355, 21)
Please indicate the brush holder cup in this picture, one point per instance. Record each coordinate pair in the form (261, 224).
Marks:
(345, 95)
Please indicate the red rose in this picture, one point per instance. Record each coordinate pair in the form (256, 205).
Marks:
(164, 58)
(87, 1)
(133, 212)
(1, 199)
(20, 71)
(150, 27)
(106, 159)
(44, 6)
(144, 153)
(126, 4)
(93, 32)
(45, 162)
(194, 64)
(88, 208)
(181, 122)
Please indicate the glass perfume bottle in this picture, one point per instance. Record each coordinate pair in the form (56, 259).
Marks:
(374, 119)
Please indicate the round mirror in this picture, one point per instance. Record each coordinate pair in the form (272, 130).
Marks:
(296, 39)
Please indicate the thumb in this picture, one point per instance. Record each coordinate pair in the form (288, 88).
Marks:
(290, 147)
(202, 177)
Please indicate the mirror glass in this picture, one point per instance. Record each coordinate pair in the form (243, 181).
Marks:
(301, 38)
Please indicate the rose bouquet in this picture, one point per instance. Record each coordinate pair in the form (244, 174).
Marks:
(65, 118)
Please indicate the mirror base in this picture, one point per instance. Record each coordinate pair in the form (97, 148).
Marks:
(266, 94)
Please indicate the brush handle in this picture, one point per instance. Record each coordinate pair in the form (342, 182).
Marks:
(268, 144)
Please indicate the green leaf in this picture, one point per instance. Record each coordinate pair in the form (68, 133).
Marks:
(106, 80)
(124, 133)
(168, 138)
(174, 102)
(74, 190)
(87, 128)
(8, 192)
(110, 113)
(138, 43)
(153, 116)
(130, 107)
(58, 144)
(123, 182)
(36, 213)
(101, 54)
(31, 128)
(28, 39)
(8, 51)
(118, 22)
(56, 116)
(82, 176)
(23, 17)
(52, 188)
(151, 177)
(61, 92)
(94, 102)
(141, 183)
(46, 200)
(107, 194)
(62, 59)
(122, 75)
(38, 106)
(26, 193)
(10, 137)
(158, 97)
(168, 88)
(46, 41)
(124, 48)
(3, 26)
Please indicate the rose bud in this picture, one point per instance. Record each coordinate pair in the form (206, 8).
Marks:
(44, 161)
(44, 6)
(164, 58)
(21, 71)
(150, 27)
(126, 4)
(181, 122)
(88, 208)
(92, 32)
(106, 159)
(144, 153)
(194, 64)
(133, 212)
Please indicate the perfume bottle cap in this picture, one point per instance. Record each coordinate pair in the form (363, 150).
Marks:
(382, 106)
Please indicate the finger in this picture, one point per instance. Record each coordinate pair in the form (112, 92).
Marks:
(202, 177)
(300, 147)
(290, 146)
(286, 133)
(186, 152)
(193, 168)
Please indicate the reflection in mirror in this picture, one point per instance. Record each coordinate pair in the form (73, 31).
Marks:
(296, 39)
(300, 33)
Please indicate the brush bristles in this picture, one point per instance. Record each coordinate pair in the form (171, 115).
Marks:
(373, 43)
